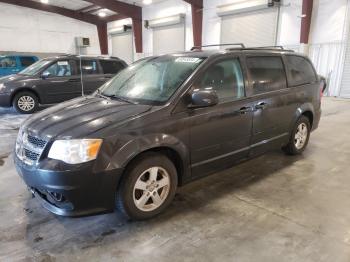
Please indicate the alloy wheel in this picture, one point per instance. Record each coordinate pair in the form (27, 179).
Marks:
(151, 189)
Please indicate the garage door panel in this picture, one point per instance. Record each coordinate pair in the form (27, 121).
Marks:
(122, 46)
(257, 28)
(168, 39)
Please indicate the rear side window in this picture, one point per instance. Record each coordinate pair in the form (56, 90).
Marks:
(89, 67)
(111, 66)
(7, 62)
(26, 61)
(300, 71)
(267, 73)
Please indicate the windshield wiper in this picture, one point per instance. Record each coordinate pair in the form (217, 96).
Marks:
(121, 99)
(101, 95)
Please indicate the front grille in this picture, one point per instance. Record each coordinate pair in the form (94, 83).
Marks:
(29, 148)
(36, 141)
(31, 155)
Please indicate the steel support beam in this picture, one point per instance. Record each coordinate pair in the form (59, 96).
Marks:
(103, 38)
(197, 20)
(55, 9)
(306, 21)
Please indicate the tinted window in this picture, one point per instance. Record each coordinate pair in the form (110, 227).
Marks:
(225, 78)
(60, 68)
(267, 74)
(89, 67)
(7, 62)
(300, 70)
(111, 67)
(26, 60)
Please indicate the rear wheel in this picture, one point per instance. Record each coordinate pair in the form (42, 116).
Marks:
(25, 102)
(148, 187)
(299, 137)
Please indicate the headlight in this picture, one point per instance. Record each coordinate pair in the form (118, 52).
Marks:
(2, 86)
(75, 151)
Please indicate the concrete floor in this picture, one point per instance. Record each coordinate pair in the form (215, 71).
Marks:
(273, 208)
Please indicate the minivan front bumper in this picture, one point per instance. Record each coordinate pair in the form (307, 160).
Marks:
(76, 192)
(5, 99)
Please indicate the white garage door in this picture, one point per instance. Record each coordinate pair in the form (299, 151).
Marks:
(168, 39)
(345, 82)
(256, 28)
(122, 46)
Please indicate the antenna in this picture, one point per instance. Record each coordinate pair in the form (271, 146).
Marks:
(81, 73)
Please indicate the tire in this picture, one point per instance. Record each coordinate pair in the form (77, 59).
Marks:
(296, 145)
(25, 102)
(139, 198)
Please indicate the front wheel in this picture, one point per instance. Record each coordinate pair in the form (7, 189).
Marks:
(299, 137)
(148, 187)
(25, 102)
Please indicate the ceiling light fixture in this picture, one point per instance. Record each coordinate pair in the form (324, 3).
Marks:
(102, 14)
(44, 1)
(147, 2)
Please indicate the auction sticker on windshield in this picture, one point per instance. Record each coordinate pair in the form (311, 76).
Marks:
(187, 60)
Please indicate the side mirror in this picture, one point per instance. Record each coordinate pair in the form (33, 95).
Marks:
(203, 98)
(45, 75)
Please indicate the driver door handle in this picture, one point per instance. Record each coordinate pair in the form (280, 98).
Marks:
(74, 80)
(261, 105)
(244, 110)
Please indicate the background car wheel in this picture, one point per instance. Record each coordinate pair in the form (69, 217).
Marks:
(147, 187)
(299, 137)
(25, 102)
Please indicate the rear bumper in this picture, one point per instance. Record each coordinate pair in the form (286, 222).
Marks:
(77, 192)
(5, 99)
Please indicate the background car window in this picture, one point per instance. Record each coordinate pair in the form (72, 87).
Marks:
(60, 68)
(300, 70)
(267, 74)
(226, 79)
(110, 66)
(26, 61)
(89, 67)
(7, 62)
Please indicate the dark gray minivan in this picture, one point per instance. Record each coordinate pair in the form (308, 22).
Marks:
(164, 122)
(54, 80)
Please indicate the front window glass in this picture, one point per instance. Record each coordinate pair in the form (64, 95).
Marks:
(153, 81)
(225, 78)
(7, 62)
(35, 68)
(89, 67)
(60, 68)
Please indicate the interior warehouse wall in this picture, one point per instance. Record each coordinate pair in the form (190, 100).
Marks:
(42, 32)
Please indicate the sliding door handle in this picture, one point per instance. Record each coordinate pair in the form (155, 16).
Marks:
(261, 105)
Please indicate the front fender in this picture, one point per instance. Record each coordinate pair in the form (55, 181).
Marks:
(120, 154)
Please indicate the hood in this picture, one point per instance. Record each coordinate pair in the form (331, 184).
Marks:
(14, 78)
(81, 117)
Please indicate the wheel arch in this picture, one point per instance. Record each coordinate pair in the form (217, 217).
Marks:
(170, 146)
(307, 110)
(25, 89)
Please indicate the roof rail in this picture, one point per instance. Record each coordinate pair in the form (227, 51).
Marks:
(200, 47)
(270, 48)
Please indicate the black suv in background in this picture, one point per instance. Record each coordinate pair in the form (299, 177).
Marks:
(57, 79)
(164, 122)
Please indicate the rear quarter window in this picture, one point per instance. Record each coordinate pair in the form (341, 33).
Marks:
(111, 66)
(300, 71)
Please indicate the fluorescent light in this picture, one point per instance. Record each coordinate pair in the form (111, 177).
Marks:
(147, 2)
(44, 1)
(102, 14)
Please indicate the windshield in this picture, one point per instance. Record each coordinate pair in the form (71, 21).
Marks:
(152, 81)
(35, 68)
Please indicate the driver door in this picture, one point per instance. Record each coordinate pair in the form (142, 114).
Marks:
(220, 135)
(59, 82)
